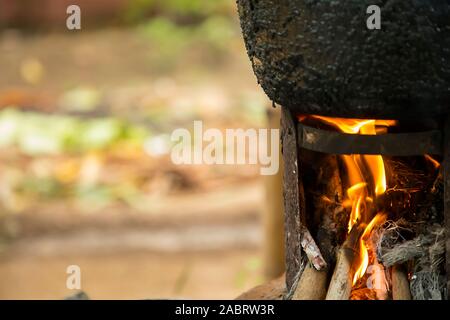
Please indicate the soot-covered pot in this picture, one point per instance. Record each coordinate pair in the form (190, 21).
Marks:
(319, 57)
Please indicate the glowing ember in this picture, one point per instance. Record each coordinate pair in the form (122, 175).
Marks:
(435, 163)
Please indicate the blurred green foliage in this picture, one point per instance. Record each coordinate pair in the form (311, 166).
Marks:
(181, 9)
(184, 27)
(36, 134)
(170, 40)
(47, 187)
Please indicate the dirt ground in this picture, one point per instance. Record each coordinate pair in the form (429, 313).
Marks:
(131, 275)
(209, 251)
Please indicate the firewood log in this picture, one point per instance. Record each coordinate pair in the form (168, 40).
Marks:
(400, 284)
(272, 290)
(341, 281)
(312, 284)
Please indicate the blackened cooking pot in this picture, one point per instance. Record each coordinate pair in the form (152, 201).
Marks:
(319, 57)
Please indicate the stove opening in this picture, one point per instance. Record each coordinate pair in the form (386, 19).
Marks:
(372, 223)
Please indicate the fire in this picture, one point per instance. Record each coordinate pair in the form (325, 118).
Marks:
(367, 179)
(356, 194)
(355, 126)
(379, 219)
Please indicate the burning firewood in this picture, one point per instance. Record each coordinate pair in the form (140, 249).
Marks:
(341, 281)
(363, 294)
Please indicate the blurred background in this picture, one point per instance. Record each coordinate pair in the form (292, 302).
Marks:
(85, 171)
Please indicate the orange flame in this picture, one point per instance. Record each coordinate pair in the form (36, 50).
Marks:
(358, 193)
(379, 219)
(374, 162)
